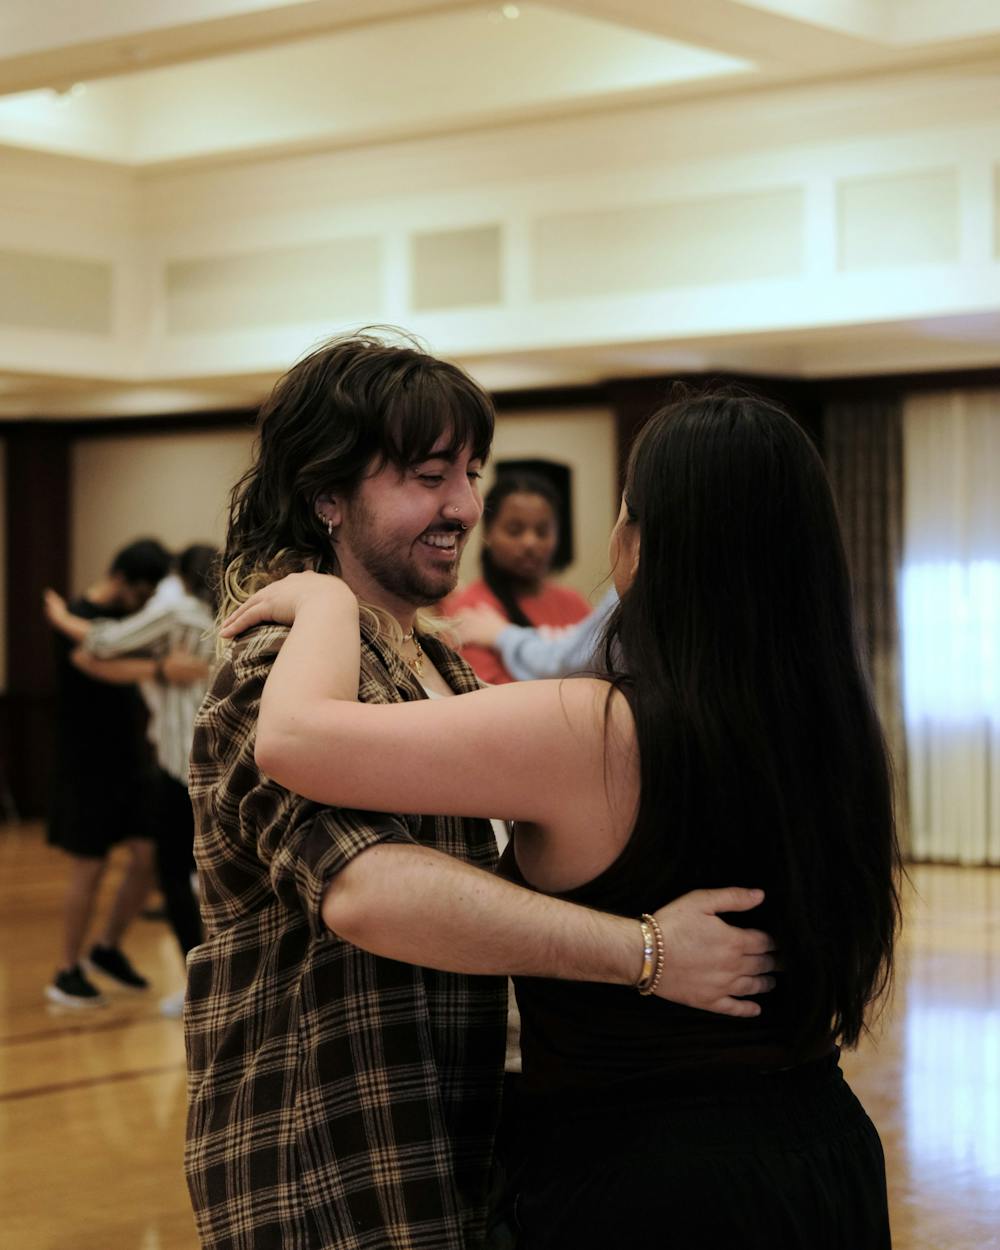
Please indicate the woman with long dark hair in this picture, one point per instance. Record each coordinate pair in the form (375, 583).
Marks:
(731, 736)
(520, 538)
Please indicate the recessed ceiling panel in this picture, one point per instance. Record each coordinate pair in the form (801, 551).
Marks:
(321, 281)
(898, 219)
(455, 268)
(656, 246)
(380, 80)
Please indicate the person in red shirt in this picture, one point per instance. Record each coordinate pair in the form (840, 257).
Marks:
(520, 536)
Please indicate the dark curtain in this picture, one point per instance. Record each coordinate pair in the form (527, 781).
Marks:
(863, 446)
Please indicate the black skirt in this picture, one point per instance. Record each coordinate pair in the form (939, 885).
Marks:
(788, 1161)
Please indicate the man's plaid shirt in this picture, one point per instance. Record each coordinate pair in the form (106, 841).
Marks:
(336, 1099)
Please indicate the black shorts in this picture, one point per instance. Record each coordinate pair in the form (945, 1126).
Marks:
(91, 814)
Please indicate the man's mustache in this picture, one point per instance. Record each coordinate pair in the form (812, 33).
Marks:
(448, 527)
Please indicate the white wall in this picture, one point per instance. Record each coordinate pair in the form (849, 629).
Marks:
(820, 208)
(585, 442)
(173, 487)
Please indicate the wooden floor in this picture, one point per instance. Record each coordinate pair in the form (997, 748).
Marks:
(92, 1107)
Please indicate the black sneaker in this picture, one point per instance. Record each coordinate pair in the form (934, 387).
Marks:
(110, 962)
(72, 989)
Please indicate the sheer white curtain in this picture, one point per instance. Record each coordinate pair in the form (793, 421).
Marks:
(951, 624)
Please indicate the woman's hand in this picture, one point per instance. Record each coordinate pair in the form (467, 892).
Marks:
(280, 601)
(57, 613)
(480, 626)
(54, 607)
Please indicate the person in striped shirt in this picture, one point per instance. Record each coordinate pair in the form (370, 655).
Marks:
(167, 648)
(99, 781)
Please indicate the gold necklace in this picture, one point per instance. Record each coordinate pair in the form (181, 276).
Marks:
(417, 663)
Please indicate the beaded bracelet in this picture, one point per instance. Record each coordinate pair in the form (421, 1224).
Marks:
(653, 954)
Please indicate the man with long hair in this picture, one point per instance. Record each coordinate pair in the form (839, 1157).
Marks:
(345, 1016)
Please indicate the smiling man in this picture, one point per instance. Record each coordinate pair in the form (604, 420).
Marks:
(345, 1016)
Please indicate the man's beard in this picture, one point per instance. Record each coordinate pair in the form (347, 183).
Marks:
(394, 572)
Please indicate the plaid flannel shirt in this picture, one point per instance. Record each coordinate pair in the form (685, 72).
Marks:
(336, 1099)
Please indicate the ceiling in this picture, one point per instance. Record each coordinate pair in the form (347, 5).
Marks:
(149, 86)
(149, 83)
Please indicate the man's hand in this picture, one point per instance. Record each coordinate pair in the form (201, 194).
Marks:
(84, 661)
(181, 668)
(710, 964)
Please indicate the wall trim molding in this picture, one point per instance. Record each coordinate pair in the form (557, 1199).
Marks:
(546, 399)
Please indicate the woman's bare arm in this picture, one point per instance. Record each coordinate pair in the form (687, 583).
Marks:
(410, 903)
(533, 752)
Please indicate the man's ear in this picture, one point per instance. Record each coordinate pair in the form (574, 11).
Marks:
(329, 511)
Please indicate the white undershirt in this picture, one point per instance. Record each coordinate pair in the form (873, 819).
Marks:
(512, 1059)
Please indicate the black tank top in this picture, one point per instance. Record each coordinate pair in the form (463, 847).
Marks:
(577, 1034)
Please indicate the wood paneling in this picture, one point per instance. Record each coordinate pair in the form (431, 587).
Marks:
(37, 556)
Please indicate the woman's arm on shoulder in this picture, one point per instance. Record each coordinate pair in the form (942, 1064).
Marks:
(58, 615)
(528, 751)
(532, 752)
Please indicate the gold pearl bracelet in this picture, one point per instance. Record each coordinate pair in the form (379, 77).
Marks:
(653, 955)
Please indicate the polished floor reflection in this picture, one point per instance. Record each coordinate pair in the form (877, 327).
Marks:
(92, 1107)
(930, 1077)
(91, 1103)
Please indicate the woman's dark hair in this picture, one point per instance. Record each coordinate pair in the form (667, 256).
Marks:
(144, 561)
(198, 566)
(497, 579)
(354, 403)
(762, 757)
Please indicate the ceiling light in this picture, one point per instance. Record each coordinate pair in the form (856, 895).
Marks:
(510, 11)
